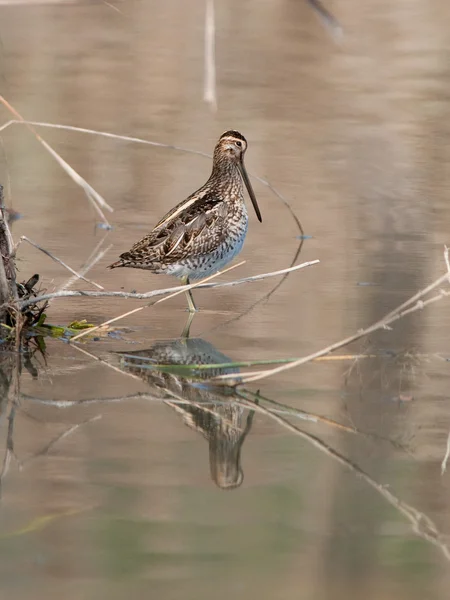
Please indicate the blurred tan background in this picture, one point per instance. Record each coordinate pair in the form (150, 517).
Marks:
(354, 134)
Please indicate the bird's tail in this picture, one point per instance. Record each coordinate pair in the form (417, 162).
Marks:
(115, 265)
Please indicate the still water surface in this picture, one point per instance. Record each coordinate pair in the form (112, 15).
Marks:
(114, 488)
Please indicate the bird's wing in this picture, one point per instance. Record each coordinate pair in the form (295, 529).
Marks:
(196, 226)
(196, 202)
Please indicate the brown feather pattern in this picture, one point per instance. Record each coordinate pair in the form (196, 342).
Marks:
(203, 230)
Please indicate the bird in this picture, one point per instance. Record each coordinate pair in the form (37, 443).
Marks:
(204, 232)
(215, 412)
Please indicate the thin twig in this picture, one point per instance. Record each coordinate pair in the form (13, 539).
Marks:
(5, 218)
(180, 400)
(279, 408)
(61, 262)
(152, 365)
(421, 524)
(8, 287)
(7, 173)
(209, 90)
(137, 140)
(9, 451)
(96, 255)
(46, 449)
(182, 149)
(447, 261)
(113, 7)
(63, 404)
(93, 196)
(328, 20)
(383, 323)
(5, 256)
(267, 295)
(106, 363)
(447, 451)
(124, 138)
(447, 454)
(258, 375)
(163, 292)
(119, 317)
(288, 411)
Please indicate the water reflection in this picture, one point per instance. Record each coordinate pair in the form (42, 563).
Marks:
(212, 411)
(223, 416)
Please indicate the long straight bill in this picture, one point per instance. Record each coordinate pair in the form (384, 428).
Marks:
(250, 191)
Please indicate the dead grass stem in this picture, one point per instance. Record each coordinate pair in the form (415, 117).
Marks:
(97, 201)
(411, 305)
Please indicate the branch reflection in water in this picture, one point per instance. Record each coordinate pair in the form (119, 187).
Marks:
(222, 415)
(212, 411)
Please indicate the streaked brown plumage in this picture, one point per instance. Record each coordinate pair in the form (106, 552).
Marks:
(212, 411)
(207, 230)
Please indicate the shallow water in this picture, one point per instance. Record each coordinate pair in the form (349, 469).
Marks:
(112, 485)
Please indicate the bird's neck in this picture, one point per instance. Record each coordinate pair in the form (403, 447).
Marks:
(225, 170)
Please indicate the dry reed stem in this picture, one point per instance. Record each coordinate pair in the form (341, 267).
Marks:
(209, 89)
(447, 454)
(297, 413)
(447, 450)
(46, 449)
(345, 357)
(127, 138)
(327, 19)
(93, 259)
(304, 415)
(289, 411)
(136, 140)
(383, 323)
(13, 399)
(258, 375)
(8, 233)
(447, 261)
(9, 451)
(171, 147)
(97, 201)
(4, 285)
(113, 7)
(114, 136)
(59, 261)
(63, 404)
(122, 316)
(421, 524)
(8, 285)
(106, 363)
(163, 292)
(249, 363)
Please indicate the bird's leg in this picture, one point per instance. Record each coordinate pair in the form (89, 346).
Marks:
(187, 327)
(190, 299)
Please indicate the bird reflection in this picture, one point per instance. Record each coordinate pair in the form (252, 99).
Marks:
(210, 410)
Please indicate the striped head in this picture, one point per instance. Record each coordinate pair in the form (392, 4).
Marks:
(231, 148)
(232, 145)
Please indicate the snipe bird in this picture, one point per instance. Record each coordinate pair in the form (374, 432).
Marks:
(207, 230)
(214, 412)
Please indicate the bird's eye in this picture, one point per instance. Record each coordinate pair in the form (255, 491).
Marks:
(238, 144)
